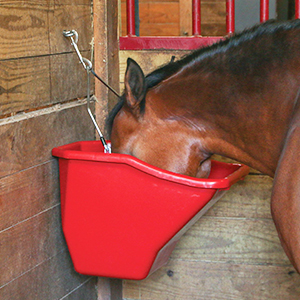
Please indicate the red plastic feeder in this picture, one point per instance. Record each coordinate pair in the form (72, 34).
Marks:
(122, 217)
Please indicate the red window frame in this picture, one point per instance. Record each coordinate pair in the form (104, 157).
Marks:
(133, 42)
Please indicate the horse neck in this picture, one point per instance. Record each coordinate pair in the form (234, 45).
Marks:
(235, 128)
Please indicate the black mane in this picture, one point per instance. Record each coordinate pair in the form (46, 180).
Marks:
(266, 29)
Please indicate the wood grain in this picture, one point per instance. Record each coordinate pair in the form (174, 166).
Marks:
(24, 32)
(213, 280)
(185, 17)
(214, 12)
(249, 198)
(29, 243)
(53, 279)
(68, 77)
(32, 83)
(240, 241)
(28, 193)
(68, 17)
(38, 69)
(29, 142)
(87, 289)
(159, 12)
(24, 84)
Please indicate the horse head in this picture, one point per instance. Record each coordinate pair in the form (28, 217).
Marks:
(150, 125)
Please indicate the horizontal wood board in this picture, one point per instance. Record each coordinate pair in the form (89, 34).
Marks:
(30, 227)
(42, 106)
(38, 65)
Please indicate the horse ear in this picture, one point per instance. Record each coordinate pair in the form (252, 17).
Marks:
(135, 87)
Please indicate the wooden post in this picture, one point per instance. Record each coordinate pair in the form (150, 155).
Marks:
(107, 67)
(106, 55)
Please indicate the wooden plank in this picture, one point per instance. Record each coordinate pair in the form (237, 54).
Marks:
(214, 29)
(246, 199)
(30, 243)
(24, 32)
(68, 17)
(159, 12)
(72, 2)
(112, 52)
(28, 193)
(24, 84)
(29, 142)
(208, 280)
(106, 51)
(185, 17)
(213, 12)
(37, 29)
(159, 29)
(85, 291)
(68, 77)
(32, 83)
(240, 241)
(53, 279)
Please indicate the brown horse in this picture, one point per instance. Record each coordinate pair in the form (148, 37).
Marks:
(237, 98)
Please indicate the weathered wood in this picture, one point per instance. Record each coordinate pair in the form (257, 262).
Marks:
(249, 198)
(213, 280)
(240, 241)
(101, 66)
(67, 16)
(32, 83)
(24, 32)
(38, 68)
(29, 142)
(87, 289)
(112, 52)
(185, 18)
(53, 279)
(27, 193)
(159, 12)
(30, 243)
(37, 29)
(107, 67)
(214, 12)
(24, 84)
(159, 29)
(68, 77)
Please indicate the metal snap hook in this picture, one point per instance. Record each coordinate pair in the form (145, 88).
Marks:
(71, 33)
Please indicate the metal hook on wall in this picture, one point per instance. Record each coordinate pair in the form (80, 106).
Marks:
(88, 66)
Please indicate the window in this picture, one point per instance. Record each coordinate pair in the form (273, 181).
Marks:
(132, 40)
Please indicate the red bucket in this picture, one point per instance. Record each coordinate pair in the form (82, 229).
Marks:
(122, 217)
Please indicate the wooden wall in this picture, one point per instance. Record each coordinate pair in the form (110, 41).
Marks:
(233, 252)
(174, 17)
(42, 90)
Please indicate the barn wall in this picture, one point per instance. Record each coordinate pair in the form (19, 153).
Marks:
(233, 252)
(42, 90)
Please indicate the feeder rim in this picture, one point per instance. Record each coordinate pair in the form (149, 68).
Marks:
(71, 152)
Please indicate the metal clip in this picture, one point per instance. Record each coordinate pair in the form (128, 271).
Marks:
(87, 64)
(71, 34)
